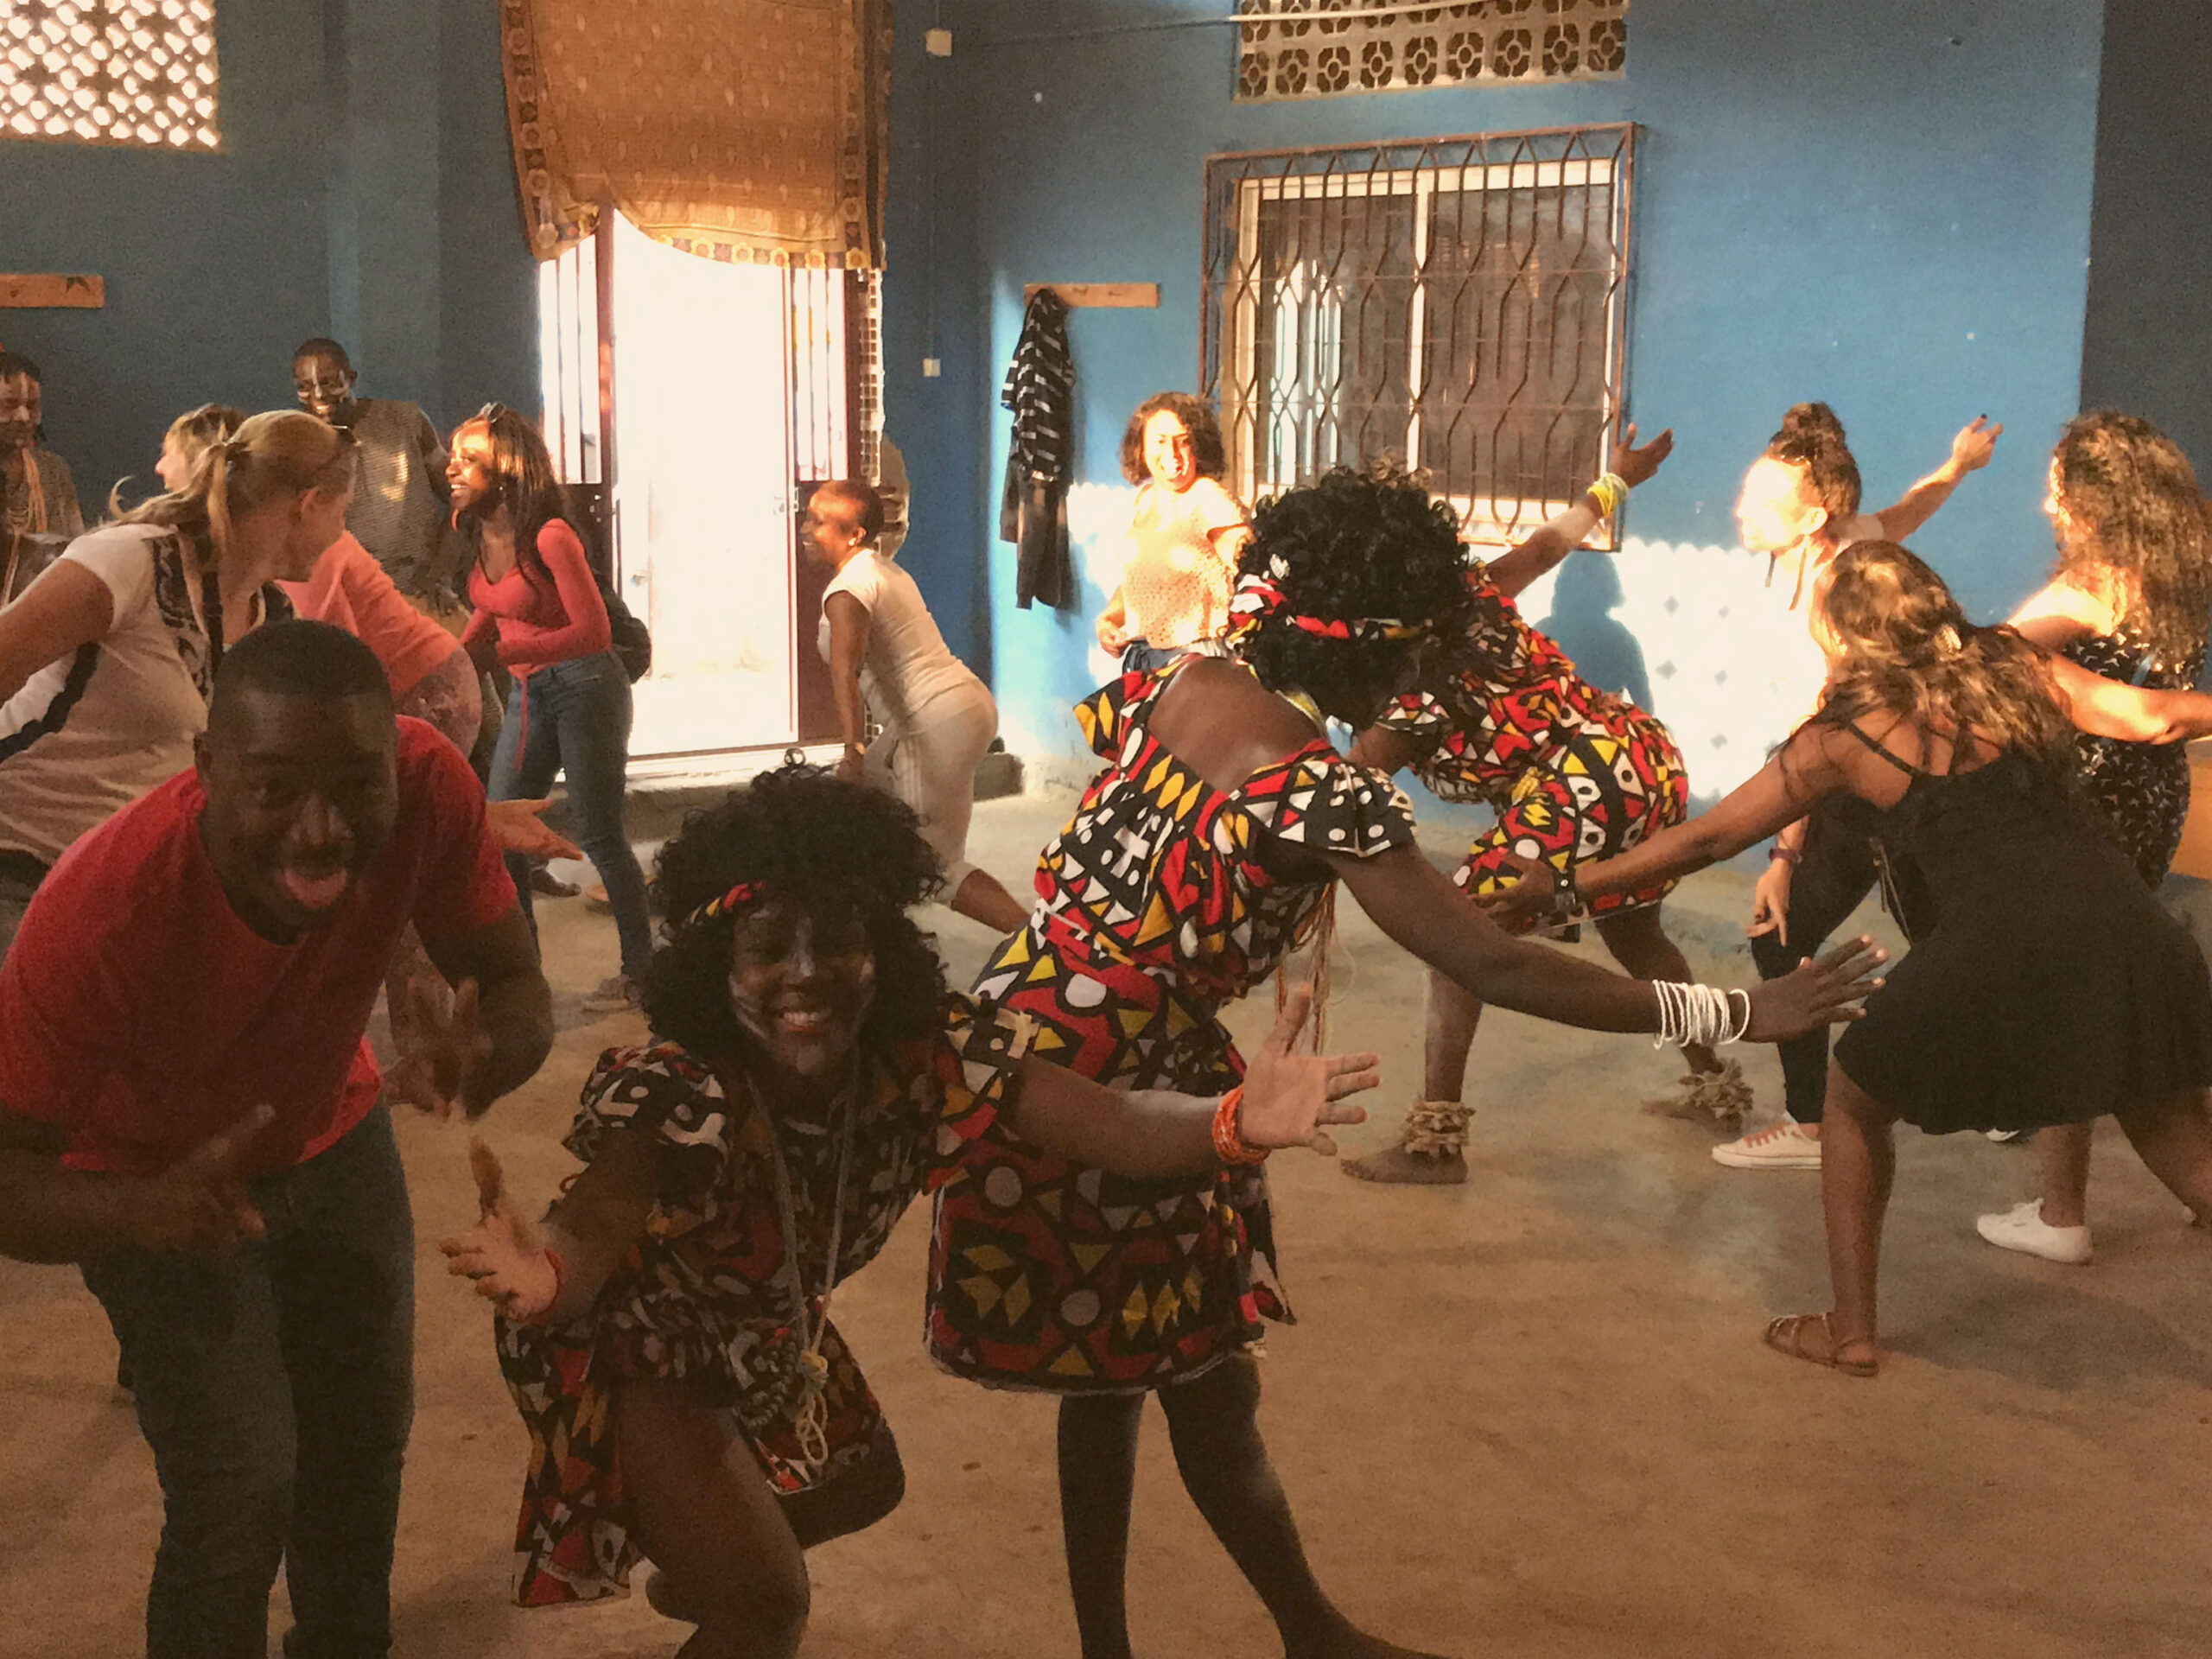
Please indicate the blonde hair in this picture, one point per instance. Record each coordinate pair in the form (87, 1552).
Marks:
(285, 452)
(193, 434)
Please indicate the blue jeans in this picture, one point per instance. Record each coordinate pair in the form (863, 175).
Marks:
(276, 1386)
(575, 718)
(1142, 657)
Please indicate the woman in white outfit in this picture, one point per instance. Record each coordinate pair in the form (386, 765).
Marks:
(886, 657)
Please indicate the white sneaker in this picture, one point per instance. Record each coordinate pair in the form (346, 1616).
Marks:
(2022, 1227)
(1786, 1145)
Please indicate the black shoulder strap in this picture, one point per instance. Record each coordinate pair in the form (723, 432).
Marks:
(1905, 767)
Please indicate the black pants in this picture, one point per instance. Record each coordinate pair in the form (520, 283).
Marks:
(1839, 868)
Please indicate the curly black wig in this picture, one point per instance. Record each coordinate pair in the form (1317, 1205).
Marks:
(1351, 544)
(833, 850)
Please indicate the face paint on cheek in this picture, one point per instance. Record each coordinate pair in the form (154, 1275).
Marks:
(751, 1012)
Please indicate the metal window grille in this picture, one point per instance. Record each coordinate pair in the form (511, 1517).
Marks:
(119, 72)
(1451, 304)
(1318, 48)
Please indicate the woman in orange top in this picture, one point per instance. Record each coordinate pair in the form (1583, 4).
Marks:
(1183, 537)
(432, 678)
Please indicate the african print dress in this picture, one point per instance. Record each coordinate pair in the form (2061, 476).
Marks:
(707, 1297)
(1155, 909)
(1573, 773)
(2140, 790)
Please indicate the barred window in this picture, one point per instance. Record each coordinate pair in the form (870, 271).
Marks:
(1452, 304)
(119, 72)
(1318, 48)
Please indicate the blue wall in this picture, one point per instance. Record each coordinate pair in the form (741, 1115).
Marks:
(364, 190)
(1884, 203)
(2148, 347)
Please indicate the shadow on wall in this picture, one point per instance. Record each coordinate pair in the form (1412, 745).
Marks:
(1584, 594)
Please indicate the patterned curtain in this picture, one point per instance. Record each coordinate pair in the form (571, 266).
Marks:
(744, 131)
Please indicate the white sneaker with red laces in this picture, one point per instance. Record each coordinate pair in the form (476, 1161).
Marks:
(1786, 1145)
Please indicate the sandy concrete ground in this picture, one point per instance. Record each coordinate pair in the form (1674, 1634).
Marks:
(1526, 1416)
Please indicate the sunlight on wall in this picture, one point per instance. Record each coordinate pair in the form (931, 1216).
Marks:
(1729, 666)
(1691, 632)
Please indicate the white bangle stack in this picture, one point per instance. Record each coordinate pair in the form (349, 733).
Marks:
(1703, 1014)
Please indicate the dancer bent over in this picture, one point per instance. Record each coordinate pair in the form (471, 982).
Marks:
(1205, 848)
(1572, 772)
(2051, 988)
(191, 1114)
(1799, 507)
(687, 1393)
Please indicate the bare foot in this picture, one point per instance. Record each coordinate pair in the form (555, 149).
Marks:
(1396, 1167)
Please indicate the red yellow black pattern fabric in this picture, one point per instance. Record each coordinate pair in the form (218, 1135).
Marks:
(1574, 773)
(703, 1297)
(1156, 909)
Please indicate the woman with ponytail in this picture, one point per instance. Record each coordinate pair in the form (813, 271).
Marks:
(107, 660)
(2050, 988)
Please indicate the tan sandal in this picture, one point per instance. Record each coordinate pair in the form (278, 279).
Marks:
(1787, 1336)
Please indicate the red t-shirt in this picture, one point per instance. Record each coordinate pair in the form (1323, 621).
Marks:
(138, 1011)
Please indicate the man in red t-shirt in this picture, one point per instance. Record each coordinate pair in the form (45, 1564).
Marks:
(190, 1110)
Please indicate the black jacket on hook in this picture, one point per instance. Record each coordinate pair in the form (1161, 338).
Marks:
(1040, 390)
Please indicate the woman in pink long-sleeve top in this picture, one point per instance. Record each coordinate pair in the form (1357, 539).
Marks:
(539, 615)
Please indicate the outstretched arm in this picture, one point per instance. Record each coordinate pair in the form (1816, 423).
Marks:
(1413, 903)
(590, 1230)
(1288, 1100)
(1970, 452)
(1515, 569)
(2133, 714)
(1778, 797)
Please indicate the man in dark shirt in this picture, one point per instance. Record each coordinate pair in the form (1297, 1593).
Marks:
(403, 509)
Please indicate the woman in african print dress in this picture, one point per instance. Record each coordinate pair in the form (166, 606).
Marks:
(2129, 602)
(686, 1393)
(1572, 772)
(1206, 847)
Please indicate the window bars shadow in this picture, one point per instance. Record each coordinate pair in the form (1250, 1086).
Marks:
(1454, 305)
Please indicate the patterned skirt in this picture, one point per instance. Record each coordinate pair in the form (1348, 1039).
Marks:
(1051, 1277)
(573, 1541)
(1595, 797)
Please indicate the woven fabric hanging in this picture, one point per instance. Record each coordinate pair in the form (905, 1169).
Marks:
(745, 131)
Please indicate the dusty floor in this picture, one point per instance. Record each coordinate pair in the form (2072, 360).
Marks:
(1529, 1416)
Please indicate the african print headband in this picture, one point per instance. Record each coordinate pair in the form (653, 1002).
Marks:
(743, 893)
(1258, 598)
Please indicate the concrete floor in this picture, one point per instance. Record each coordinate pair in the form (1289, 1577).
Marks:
(1527, 1417)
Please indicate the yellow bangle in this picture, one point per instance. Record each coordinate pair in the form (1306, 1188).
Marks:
(1610, 491)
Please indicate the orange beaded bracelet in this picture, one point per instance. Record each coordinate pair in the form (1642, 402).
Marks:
(1229, 1143)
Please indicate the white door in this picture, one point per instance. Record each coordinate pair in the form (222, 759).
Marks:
(702, 494)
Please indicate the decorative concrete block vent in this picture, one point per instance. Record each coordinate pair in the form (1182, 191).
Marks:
(117, 72)
(1321, 49)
